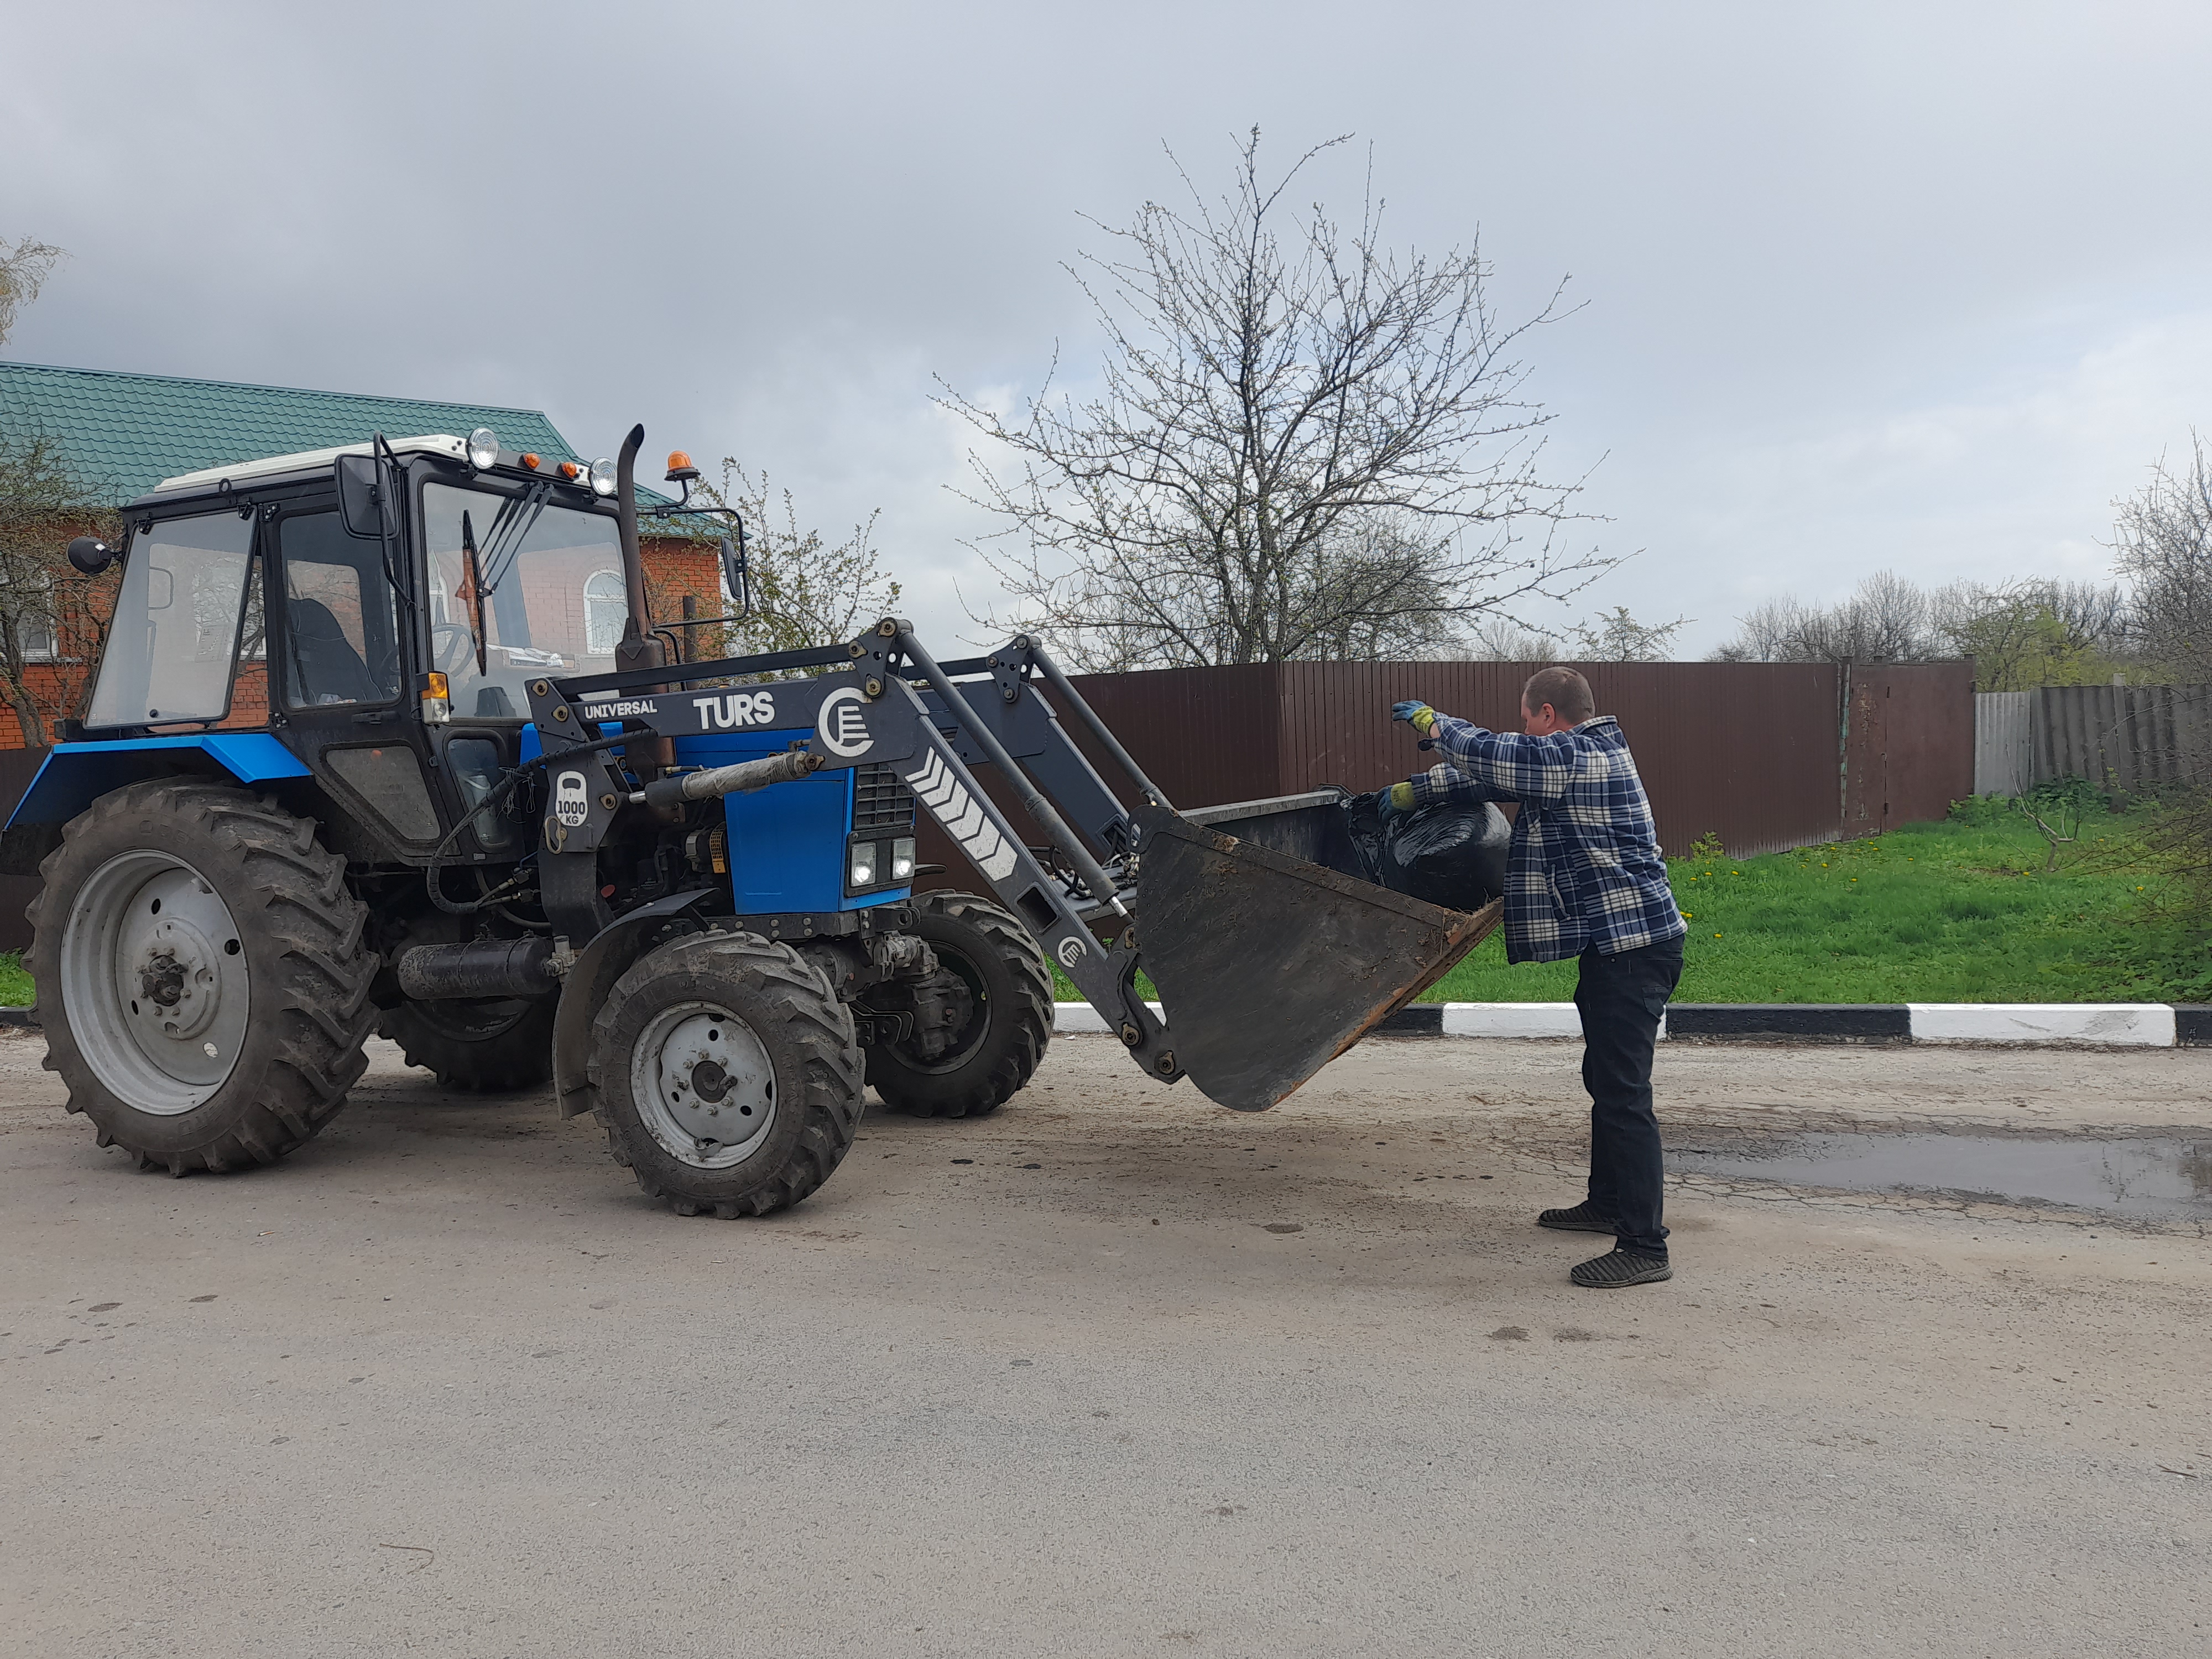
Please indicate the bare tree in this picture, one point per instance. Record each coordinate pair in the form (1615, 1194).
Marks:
(1305, 445)
(1886, 619)
(804, 591)
(52, 616)
(24, 263)
(2020, 634)
(1616, 636)
(2162, 548)
(1501, 639)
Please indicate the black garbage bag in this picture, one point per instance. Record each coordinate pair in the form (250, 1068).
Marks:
(1450, 853)
(1363, 825)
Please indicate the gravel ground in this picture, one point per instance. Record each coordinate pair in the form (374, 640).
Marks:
(1112, 1372)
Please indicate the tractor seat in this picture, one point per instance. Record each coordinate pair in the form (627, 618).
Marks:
(325, 668)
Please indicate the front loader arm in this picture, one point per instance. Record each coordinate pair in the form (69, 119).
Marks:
(1269, 965)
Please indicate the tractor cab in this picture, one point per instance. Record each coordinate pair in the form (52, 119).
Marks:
(377, 611)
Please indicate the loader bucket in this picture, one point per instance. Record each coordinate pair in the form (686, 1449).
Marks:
(1269, 967)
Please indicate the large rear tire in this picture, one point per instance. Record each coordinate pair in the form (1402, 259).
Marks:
(488, 1047)
(202, 972)
(991, 968)
(726, 1076)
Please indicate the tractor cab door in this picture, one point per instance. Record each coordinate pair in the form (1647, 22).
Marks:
(338, 677)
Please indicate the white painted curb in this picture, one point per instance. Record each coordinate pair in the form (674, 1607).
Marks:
(2119, 1024)
(2146, 1024)
(1515, 1019)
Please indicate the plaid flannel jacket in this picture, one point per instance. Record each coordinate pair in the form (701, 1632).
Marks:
(1584, 866)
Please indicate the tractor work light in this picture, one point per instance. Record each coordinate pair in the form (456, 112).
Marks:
(863, 863)
(483, 448)
(603, 476)
(902, 859)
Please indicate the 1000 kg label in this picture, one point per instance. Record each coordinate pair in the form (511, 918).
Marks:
(736, 708)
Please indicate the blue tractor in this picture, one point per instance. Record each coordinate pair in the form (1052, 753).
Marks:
(496, 812)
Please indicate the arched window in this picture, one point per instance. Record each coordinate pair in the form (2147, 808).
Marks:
(606, 606)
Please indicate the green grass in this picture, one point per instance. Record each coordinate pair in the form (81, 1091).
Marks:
(1950, 912)
(15, 984)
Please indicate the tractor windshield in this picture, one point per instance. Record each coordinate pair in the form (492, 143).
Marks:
(538, 587)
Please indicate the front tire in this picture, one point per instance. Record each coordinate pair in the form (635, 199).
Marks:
(489, 1047)
(991, 970)
(726, 1075)
(202, 972)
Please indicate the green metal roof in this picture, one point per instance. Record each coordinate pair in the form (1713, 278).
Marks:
(122, 434)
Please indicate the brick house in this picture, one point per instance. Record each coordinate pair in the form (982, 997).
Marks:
(122, 433)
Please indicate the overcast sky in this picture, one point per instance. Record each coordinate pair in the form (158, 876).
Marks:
(1917, 286)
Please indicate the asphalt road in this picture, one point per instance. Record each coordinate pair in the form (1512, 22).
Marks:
(1113, 1372)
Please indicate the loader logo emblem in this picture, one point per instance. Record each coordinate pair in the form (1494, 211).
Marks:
(736, 708)
(1070, 949)
(842, 726)
(965, 819)
(572, 798)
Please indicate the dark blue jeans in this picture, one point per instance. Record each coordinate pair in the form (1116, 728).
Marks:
(1620, 997)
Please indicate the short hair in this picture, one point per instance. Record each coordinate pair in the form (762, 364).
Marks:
(1568, 693)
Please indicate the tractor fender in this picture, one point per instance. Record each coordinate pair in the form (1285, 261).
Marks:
(74, 775)
(584, 989)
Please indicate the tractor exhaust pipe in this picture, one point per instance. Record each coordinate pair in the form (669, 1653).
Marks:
(486, 968)
(637, 648)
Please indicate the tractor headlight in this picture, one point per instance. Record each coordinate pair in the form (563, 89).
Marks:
(603, 476)
(902, 859)
(863, 863)
(483, 448)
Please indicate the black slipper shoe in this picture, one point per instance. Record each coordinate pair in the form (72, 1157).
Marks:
(1618, 1269)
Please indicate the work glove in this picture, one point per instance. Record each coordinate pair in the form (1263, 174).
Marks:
(1418, 715)
(1398, 798)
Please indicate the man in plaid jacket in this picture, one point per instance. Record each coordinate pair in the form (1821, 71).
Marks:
(1583, 878)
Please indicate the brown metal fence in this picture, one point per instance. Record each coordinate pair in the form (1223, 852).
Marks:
(1763, 755)
(1908, 743)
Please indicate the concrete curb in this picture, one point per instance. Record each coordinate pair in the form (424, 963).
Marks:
(2122, 1025)
(25, 1017)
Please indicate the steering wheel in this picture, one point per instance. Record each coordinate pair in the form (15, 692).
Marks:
(462, 646)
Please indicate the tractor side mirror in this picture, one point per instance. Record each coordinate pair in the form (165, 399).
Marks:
(91, 555)
(362, 495)
(736, 577)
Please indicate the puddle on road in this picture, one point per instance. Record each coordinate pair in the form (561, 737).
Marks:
(2153, 1177)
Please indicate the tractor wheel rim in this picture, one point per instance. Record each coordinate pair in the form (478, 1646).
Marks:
(704, 1085)
(971, 1035)
(155, 982)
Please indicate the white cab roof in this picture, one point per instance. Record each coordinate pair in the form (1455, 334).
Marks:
(309, 460)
